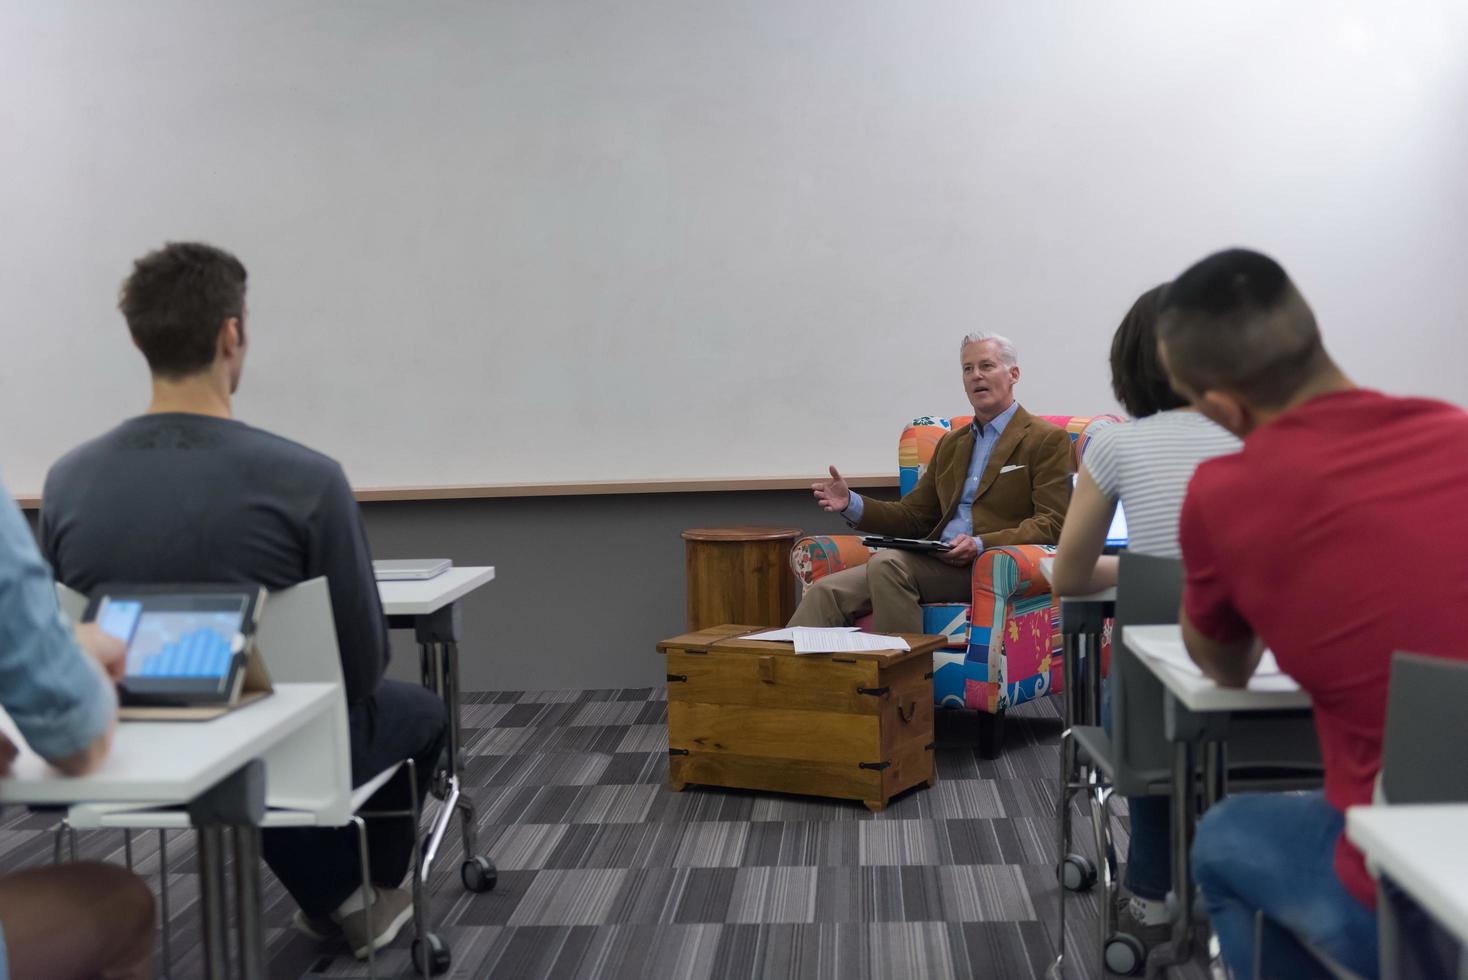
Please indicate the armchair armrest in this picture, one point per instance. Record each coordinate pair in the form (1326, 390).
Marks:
(1011, 630)
(1011, 572)
(816, 556)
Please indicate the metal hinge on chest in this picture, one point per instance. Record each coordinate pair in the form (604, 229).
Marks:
(875, 692)
(677, 752)
(677, 678)
(879, 766)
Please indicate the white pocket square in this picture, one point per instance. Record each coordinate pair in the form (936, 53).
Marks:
(1011, 468)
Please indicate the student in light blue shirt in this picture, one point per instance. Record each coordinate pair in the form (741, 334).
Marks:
(77, 920)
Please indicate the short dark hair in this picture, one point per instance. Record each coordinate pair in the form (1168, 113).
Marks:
(1138, 378)
(176, 300)
(1235, 322)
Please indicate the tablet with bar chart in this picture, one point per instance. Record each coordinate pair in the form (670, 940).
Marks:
(185, 644)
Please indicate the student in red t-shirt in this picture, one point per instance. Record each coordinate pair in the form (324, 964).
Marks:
(1336, 537)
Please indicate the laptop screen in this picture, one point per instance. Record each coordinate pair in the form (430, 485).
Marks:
(1116, 535)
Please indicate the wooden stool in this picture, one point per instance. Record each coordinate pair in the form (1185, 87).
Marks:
(740, 575)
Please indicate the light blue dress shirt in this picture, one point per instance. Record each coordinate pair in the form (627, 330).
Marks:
(985, 436)
(56, 697)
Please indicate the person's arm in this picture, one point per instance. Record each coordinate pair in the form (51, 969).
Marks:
(337, 548)
(1229, 663)
(1080, 568)
(835, 497)
(59, 698)
(1051, 465)
(915, 515)
(1218, 638)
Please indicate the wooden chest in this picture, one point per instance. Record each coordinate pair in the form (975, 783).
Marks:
(757, 715)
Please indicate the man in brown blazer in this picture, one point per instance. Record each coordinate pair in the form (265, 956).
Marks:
(1005, 479)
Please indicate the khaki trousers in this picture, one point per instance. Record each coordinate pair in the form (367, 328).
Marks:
(890, 586)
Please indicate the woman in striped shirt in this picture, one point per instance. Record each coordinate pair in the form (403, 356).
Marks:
(1145, 465)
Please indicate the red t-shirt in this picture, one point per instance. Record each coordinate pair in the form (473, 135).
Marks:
(1339, 534)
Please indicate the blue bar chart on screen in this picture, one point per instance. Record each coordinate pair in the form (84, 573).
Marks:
(182, 644)
(200, 653)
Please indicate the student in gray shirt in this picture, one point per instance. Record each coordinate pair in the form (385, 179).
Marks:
(75, 920)
(1144, 464)
(186, 493)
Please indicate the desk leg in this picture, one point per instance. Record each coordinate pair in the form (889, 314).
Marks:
(238, 802)
(247, 895)
(1091, 664)
(1215, 772)
(1070, 699)
(465, 804)
(1388, 933)
(438, 645)
(212, 899)
(1062, 822)
(1182, 842)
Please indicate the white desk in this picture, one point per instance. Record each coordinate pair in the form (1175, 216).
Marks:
(422, 598)
(1195, 709)
(429, 608)
(155, 764)
(168, 761)
(1423, 850)
(1159, 648)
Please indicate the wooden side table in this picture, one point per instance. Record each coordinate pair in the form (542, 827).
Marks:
(740, 575)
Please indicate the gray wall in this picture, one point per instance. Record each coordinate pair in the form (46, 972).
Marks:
(584, 587)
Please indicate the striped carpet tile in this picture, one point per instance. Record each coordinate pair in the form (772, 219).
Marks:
(607, 875)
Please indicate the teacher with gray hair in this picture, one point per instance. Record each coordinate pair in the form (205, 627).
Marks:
(1005, 479)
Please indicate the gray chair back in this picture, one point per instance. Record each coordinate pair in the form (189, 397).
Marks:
(1148, 592)
(1424, 720)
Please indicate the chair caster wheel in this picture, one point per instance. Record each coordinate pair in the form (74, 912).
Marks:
(478, 874)
(1125, 954)
(437, 951)
(1077, 873)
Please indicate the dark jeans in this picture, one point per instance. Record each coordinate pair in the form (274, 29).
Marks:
(1149, 848)
(319, 866)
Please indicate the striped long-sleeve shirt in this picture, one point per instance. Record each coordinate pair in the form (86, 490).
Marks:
(1146, 466)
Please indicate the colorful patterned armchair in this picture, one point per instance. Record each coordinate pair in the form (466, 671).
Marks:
(1004, 647)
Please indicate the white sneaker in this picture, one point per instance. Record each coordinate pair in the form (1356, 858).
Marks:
(391, 909)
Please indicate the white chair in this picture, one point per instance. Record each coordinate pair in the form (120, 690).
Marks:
(297, 640)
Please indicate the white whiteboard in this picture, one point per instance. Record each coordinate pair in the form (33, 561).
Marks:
(566, 240)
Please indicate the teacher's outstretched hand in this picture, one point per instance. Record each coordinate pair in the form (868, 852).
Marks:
(833, 494)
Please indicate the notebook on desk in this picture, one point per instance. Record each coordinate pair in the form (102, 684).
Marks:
(190, 648)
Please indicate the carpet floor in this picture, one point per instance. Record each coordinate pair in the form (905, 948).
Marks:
(604, 873)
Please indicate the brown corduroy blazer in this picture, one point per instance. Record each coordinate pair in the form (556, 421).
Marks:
(1024, 504)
